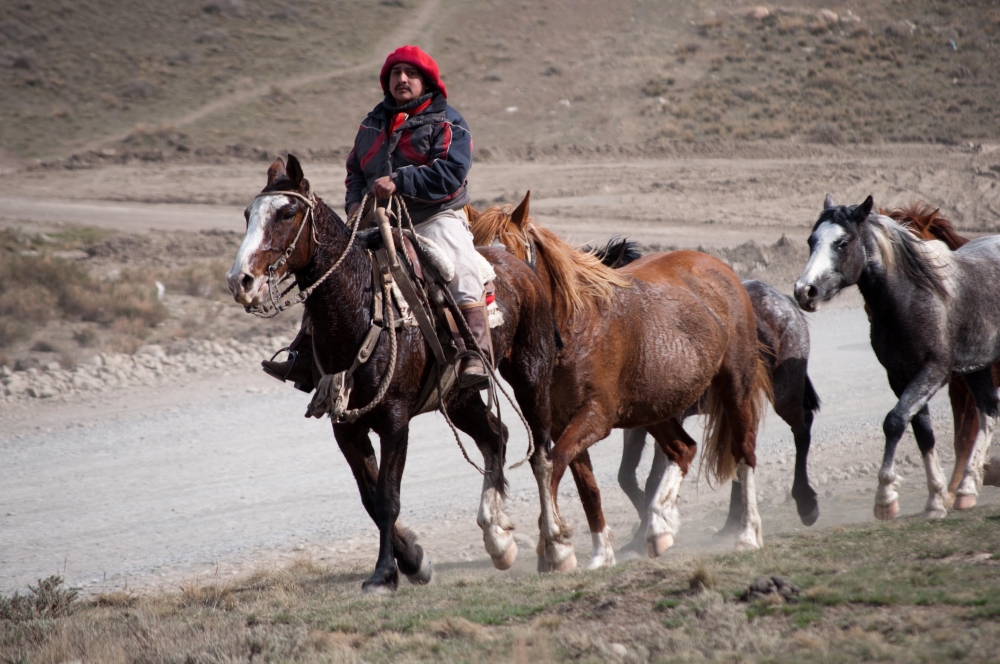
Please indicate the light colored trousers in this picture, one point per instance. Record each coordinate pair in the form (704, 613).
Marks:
(450, 231)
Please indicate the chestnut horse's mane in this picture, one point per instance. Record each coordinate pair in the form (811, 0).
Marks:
(925, 222)
(581, 282)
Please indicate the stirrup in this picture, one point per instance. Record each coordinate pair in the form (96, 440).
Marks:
(293, 355)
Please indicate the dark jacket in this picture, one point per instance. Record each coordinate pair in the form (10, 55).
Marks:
(428, 156)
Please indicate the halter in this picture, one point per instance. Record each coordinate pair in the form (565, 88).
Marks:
(274, 307)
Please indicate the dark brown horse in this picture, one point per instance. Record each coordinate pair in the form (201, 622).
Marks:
(927, 223)
(286, 219)
(641, 344)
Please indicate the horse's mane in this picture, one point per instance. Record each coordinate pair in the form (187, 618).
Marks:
(580, 282)
(926, 222)
(922, 261)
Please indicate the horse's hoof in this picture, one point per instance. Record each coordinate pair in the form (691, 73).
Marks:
(377, 588)
(543, 565)
(810, 517)
(935, 514)
(657, 546)
(949, 500)
(744, 544)
(425, 574)
(964, 501)
(567, 564)
(887, 512)
(507, 559)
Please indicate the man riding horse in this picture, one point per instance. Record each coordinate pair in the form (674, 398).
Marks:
(415, 145)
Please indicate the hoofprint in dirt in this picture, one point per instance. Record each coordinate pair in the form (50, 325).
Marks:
(208, 474)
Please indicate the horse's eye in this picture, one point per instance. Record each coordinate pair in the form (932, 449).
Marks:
(841, 245)
(289, 215)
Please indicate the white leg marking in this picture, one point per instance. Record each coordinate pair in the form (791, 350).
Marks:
(751, 529)
(603, 553)
(968, 490)
(664, 518)
(936, 487)
(555, 550)
(496, 526)
(887, 497)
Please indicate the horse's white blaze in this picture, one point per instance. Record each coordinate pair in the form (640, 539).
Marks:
(935, 486)
(664, 517)
(262, 211)
(821, 261)
(603, 553)
(751, 527)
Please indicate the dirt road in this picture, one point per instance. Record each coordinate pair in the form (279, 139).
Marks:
(219, 474)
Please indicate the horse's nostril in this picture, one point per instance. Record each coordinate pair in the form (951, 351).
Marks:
(811, 292)
(246, 283)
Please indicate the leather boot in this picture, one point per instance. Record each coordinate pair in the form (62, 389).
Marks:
(298, 368)
(472, 372)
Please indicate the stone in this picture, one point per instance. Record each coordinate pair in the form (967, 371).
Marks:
(758, 13)
(618, 649)
(762, 585)
(827, 16)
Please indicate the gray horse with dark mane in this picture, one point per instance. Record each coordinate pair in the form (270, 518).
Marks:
(934, 313)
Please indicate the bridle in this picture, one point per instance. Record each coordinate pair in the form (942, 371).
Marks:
(276, 304)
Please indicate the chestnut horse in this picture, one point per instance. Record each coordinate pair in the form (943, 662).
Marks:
(640, 345)
(927, 223)
(293, 233)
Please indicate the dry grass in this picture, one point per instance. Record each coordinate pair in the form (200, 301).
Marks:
(873, 592)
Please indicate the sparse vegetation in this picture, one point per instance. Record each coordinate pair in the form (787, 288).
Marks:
(872, 592)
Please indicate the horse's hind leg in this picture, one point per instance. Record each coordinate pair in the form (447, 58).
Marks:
(356, 446)
(664, 517)
(796, 409)
(981, 385)
(603, 553)
(924, 434)
(468, 412)
(963, 409)
(633, 442)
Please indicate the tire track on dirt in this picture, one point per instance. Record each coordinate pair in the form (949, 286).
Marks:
(411, 31)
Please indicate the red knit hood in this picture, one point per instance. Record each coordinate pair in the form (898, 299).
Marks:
(413, 55)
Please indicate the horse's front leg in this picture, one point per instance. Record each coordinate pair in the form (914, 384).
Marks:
(555, 546)
(936, 488)
(603, 552)
(912, 400)
(385, 578)
(468, 413)
(357, 449)
(981, 385)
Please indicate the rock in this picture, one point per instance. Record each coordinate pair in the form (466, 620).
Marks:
(618, 649)
(52, 366)
(827, 16)
(758, 13)
(40, 392)
(763, 585)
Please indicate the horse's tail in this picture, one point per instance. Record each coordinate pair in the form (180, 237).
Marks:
(810, 400)
(718, 449)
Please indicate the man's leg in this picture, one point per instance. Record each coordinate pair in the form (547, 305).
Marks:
(450, 231)
(298, 368)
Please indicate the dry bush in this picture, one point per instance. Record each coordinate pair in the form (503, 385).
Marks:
(38, 288)
(826, 132)
(47, 599)
(200, 280)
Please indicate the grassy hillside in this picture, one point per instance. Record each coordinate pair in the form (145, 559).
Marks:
(908, 591)
(580, 73)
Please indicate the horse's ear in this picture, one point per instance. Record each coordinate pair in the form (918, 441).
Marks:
(276, 170)
(295, 173)
(862, 211)
(828, 203)
(520, 214)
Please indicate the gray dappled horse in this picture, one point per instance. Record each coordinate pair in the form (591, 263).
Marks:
(934, 313)
(784, 339)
